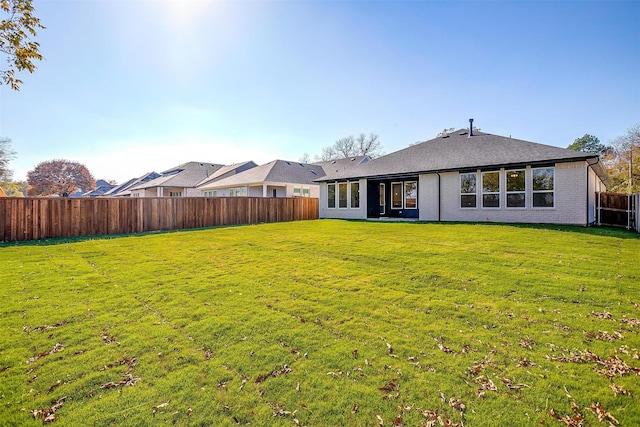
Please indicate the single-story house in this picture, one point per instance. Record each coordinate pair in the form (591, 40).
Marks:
(102, 187)
(278, 178)
(207, 184)
(469, 175)
(124, 189)
(179, 181)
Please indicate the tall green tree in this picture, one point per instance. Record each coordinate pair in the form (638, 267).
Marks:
(590, 144)
(59, 177)
(16, 31)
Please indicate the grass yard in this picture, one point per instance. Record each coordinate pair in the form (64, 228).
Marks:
(324, 323)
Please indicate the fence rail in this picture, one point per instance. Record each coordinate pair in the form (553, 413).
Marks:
(40, 218)
(619, 210)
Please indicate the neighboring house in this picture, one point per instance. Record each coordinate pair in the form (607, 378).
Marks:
(206, 185)
(102, 187)
(279, 178)
(180, 181)
(469, 176)
(124, 189)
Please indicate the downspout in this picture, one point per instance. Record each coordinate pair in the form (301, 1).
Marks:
(589, 165)
(439, 200)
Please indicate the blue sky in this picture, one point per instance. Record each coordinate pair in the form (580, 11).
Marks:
(128, 87)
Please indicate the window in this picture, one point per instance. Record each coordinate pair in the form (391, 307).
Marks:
(543, 194)
(175, 193)
(342, 195)
(396, 195)
(210, 193)
(491, 189)
(516, 185)
(355, 194)
(297, 192)
(232, 192)
(383, 203)
(238, 192)
(331, 195)
(305, 192)
(411, 195)
(468, 190)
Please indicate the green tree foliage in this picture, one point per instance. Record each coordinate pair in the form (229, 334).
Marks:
(623, 162)
(352, 146)
(590, 144)
(14, 189)
(59, 177)
(16, 31)
(6, 155)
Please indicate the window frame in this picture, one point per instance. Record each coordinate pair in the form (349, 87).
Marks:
(490, 193)
(351, 195)
(393, 207)
(545, 191)
(511, 192)
(343, 185)
(475, 192)
(331, 188)
(404, 194)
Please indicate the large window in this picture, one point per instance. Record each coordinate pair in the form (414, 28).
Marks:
(331, 195)
(411, 195)
(355, 194)
(491, 189)
(543, 189)
(468, 190)
(396, 195)
(342, 195)
(516, 185)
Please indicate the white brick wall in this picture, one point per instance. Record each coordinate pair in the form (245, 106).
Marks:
(344, 213)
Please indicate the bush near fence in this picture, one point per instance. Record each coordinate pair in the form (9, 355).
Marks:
(43, 218)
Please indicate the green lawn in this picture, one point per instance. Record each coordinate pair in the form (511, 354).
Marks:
(324, 323)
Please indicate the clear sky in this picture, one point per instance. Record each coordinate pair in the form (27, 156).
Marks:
(129, 87)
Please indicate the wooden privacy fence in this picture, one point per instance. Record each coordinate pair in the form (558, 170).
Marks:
(39, 218)
(619, 210)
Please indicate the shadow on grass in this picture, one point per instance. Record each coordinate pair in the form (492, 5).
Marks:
(594, 231)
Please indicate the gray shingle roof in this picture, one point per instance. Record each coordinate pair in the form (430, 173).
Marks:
(276, 171)
(226, 171)
(458, 151)
(185, 175)
(124, 188)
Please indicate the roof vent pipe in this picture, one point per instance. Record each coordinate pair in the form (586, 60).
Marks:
(470, 128)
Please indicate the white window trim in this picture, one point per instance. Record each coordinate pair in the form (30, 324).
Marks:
(349, 195)
(467, 194)
(335, 195)
(346, 183)
(384, 199)
(507, 192)
(402, 190)
(482, 192)
(404, 194)
(533, 192)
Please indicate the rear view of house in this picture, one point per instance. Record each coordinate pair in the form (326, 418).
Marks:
(469, 176)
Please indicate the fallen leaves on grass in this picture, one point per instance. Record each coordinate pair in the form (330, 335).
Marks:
(160, 406)
(44, 327)
(56, 348)
(575, 420)
(604, 335)
(634, 323)
(619, 390)
(602, 315)
(107, 338)
(392, 390)
(602, 414)
(527, 343)
(48, 415)
(275, 373)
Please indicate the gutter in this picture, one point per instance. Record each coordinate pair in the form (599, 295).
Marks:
(589, 165)
(439, 196)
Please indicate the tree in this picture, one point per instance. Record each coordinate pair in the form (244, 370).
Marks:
(6, 155)
(352, 146)
(59, 177)
(15, 39)
(589, 144)
(14, 189)
(623, 162)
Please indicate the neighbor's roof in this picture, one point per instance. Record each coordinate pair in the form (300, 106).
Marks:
(226, 170)
(185, 175)
(124, 188)
(340, 166)
(459, 151)
(276, 171)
